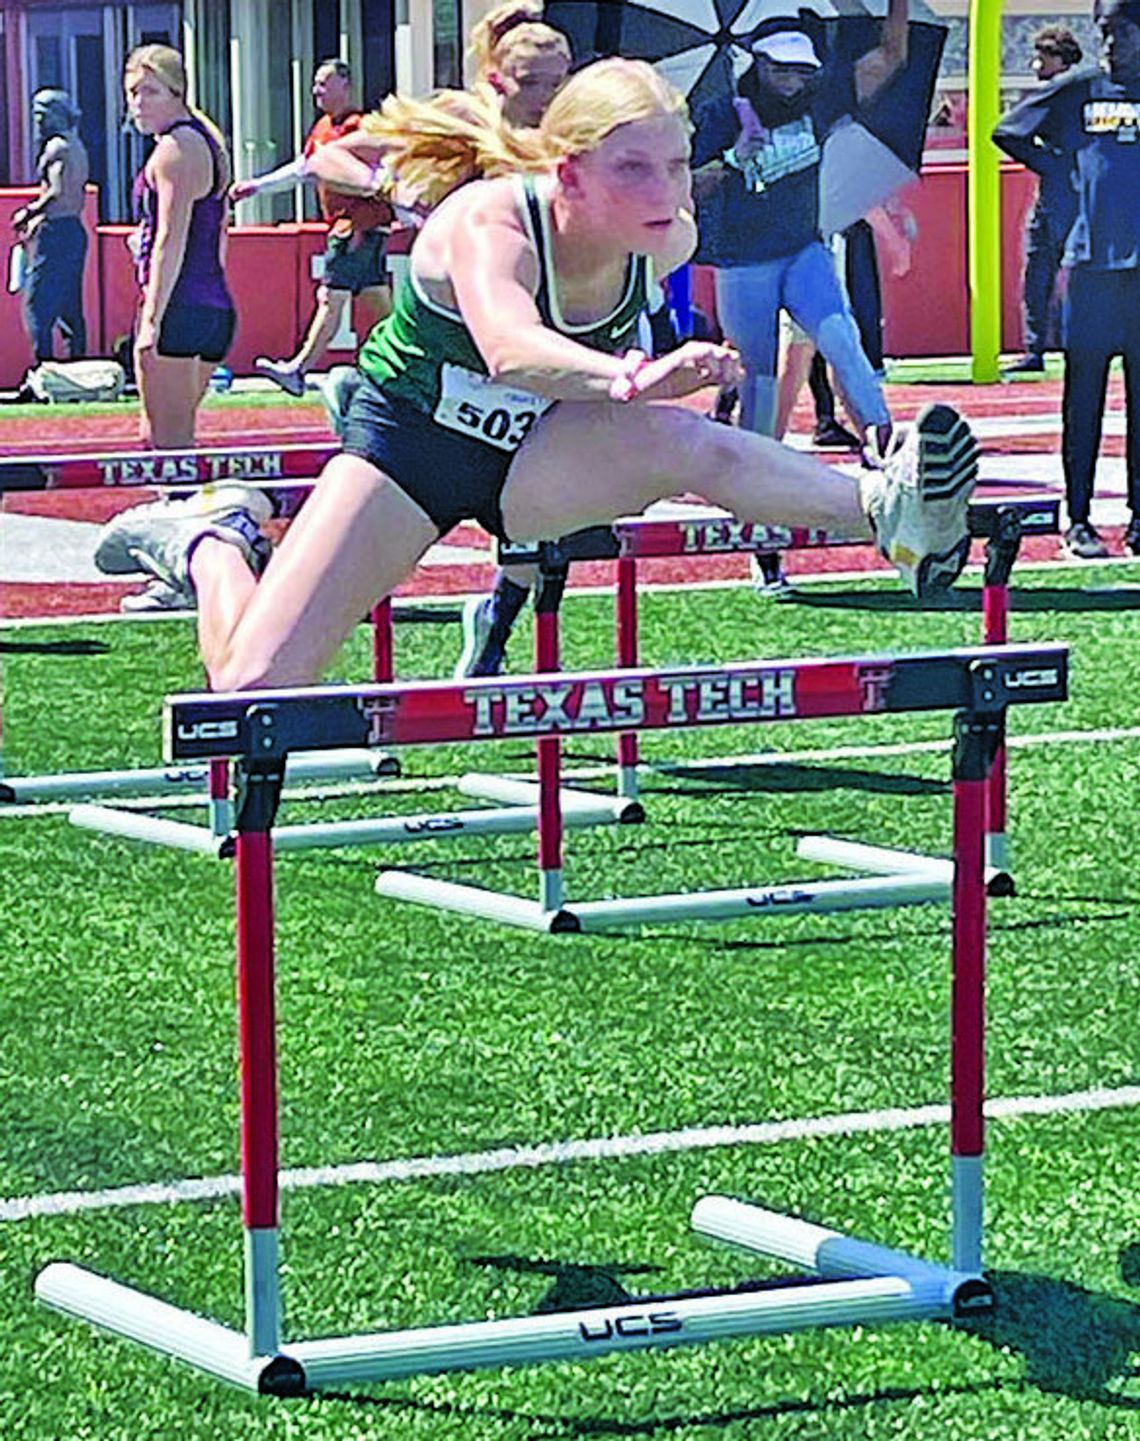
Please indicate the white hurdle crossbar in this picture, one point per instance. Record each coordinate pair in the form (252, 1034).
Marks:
(862, 1283)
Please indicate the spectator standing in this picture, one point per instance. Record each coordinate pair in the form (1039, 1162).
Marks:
(1055, 51)
(51, 226)
(358, 231)
(186, 315)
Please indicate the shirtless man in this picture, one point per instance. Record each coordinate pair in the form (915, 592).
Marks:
(52, 226)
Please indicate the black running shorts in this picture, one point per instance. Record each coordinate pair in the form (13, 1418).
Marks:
(196, 331)
(449, 476)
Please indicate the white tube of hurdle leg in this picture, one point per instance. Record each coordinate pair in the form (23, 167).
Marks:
(390, 830)
(470, 900)
(967, 1207)
(859, 857)
(152, 829)
(999, 856)
(120, 1309)
(262, 1291)
(633, 1326)
(72, 784)
(627, 782)
(336, 765)
(818, 1248)
(862, 893)
(526, 793)
(551, 889)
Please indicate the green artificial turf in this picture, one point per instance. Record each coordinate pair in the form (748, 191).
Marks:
(409, 1033)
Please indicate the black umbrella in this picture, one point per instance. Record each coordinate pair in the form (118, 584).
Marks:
(703, 45)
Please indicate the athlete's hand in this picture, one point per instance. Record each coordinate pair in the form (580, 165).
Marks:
(242, 190)
(691, 367)
(146, 337)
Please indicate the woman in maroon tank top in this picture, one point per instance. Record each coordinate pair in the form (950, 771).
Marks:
(186, 315)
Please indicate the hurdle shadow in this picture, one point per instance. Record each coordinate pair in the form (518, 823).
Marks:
(1075, 1342)
(1027, 600)
(53, 647)
(748, 778)
(1055, 921)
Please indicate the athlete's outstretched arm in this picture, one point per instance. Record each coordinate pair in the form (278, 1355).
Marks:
(494, 274)
(354, 164)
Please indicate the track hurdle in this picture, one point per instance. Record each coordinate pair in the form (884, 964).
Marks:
(254, 464)
(861, 1282)
(268, 468)
(263, 465)
(520, 808)
(1002, 522)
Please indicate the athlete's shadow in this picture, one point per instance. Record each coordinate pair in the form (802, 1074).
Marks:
(1077, 1343)
(574, 1287)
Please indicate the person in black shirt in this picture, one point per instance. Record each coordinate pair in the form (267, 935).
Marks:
(1089, 121)
(1055, 51)
(756, 161)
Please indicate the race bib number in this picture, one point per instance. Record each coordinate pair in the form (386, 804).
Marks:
(479, 407)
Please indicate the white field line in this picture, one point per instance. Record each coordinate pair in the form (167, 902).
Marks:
(412, 785)
(558, 1153)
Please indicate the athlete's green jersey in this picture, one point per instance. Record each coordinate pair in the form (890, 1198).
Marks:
(422, 344)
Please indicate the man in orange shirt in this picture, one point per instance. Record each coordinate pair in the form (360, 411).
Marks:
(358, 229)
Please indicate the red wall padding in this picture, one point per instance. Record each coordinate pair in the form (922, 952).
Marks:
(269, 272)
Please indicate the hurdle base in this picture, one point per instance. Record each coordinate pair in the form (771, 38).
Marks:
(634, 1325)
(831, 1254)
(207, 1345)
(915, 887)
(622, 809)
(888, 861)
(475, 901)
(133, 826)
(355, 763)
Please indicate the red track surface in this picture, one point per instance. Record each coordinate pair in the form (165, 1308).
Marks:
(54, 431)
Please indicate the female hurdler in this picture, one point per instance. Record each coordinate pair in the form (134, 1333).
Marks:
(503, 388)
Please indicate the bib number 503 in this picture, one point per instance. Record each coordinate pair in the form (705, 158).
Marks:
(501, 427)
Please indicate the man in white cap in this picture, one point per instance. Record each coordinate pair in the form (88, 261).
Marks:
(757, 157)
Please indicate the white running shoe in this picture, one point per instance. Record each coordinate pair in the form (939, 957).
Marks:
(917, 502)
(484, 648)
(158, 538)
(336, 390)
(159, 595)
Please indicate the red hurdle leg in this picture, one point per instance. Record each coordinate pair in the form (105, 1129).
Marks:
(546, 658)
(383, 664)
(258, 1063)
(995, 631)
(974, 742)
(627, 649)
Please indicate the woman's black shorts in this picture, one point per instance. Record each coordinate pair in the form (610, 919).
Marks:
(449, 476)
(196, 331)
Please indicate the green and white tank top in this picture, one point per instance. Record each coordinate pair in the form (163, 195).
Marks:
(424, 354)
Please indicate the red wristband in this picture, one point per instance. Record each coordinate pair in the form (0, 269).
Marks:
(624, 386)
